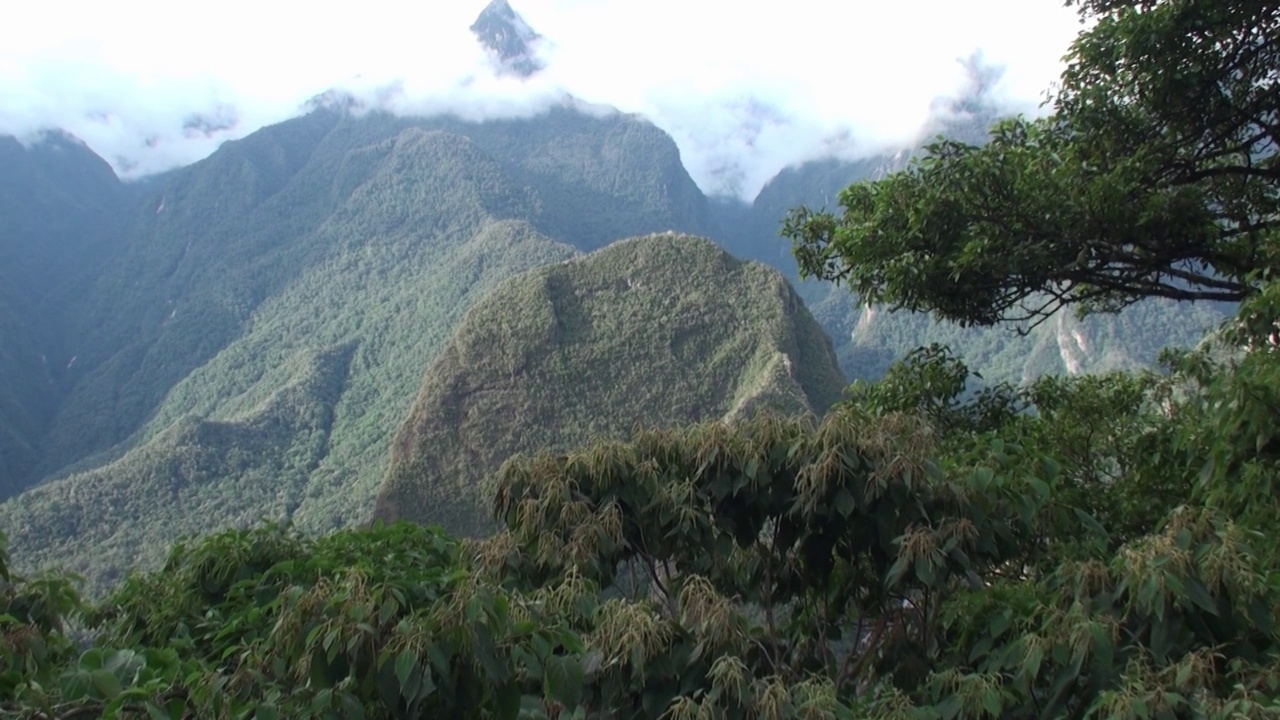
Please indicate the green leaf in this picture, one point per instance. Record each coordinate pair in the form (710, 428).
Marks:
(1000, 623)
(106, 683)
(981, 478)
(406, 663)
(1040, 487)
(507, 702)
(844, 502)
(439, 660)
(1035, 656)
(896, 571)
(992, 702)
(1103, 648)
(925, 570)
(563, 680)
(1050, 468)
(485, 653)
(541, 646)
(1090, 522)
(1199, 595)
(92, 659)
(949, 707)
(473, 609)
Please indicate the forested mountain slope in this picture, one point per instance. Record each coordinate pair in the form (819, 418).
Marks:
(243, 339)
(60, 206)
(220, 238)
(660, 329)
(252, 348)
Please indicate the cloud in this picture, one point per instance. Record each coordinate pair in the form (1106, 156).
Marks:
(745, 92)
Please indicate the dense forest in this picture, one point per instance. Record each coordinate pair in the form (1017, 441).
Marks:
(935, 545)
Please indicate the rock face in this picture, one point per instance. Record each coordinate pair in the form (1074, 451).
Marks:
(508, 38)
(662, 329)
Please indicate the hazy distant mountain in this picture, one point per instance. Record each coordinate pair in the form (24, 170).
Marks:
(657, 330)
(60, 206)
(751, 230)
(509, 39)
(221, 238)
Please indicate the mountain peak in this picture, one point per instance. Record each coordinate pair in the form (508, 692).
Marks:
(508, 38)
(657, 330)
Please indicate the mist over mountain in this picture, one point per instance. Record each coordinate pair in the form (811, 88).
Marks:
(509, 38)
(743, 94)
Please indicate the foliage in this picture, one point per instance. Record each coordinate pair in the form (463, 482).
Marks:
(1074, 561)
(1154, 177)
(870, 338)
(387, 622)
(356, 245)
(379, 623)
(311, 199)
(1082, 547)
(922, 551)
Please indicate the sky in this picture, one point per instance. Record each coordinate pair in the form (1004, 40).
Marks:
(743, 93)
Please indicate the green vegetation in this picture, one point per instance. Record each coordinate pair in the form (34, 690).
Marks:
(310, 431)
(264, 624)
(369, 237)
(1156, 176)
(206, 248)
(913, 554)
(1073, 547)
(598, 178)
(869, 339)
(661, 329)
(373, 235)
(59, 207)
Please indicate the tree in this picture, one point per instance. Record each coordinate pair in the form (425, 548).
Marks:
(1155, 176)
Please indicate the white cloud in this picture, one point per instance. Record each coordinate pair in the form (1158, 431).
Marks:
(745, 90)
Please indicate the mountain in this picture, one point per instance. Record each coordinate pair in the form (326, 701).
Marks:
(225, 236)
(244, 338)
(656, 330)
(509, 39)
(60, 207)
(751, 230)
(256, 337)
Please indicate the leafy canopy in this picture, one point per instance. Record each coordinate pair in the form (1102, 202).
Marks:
(1155, 176)
(914, 554)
